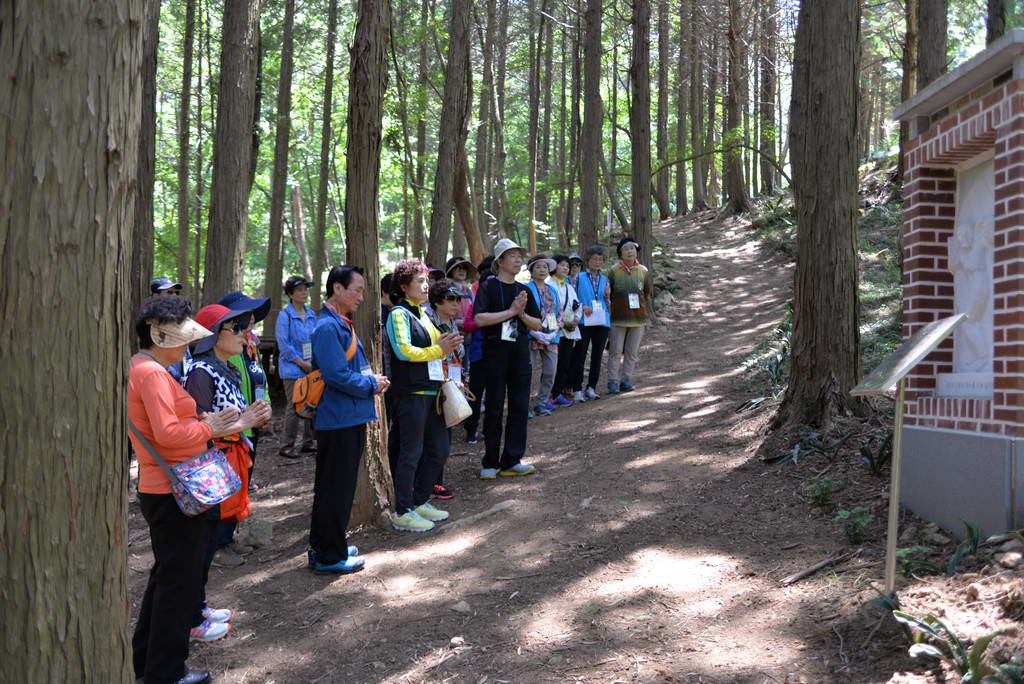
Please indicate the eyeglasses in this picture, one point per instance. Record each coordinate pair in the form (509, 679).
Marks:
(238, 326)
(451, 298)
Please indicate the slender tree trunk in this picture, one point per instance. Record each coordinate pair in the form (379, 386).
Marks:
(544, 169)
(661, 181)
(682, 102)
(569, 217)
(298, 230)
(419, 240)
(590, 138)
(368, 78)
(72, 99)
(319, 257)
(536, 49)
(184, 145)
(142, 240)
(736, 186)
(714, 191)
(484, 122)
(824, 150)
(279, 179)
(766, 108)
(500, 204)
(613, 198)
(453, 106)
(464, 209)
(696, 110)
(908, 81)
(995, 20)
(640, 127)
(232, 150)
(933, 25)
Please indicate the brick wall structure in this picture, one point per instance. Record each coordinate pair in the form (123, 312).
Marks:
(989, 119)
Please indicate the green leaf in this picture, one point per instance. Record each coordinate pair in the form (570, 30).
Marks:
(928, 650)
(978, 650)
(917, 624)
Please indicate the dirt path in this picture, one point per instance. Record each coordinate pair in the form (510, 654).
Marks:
(648, 549)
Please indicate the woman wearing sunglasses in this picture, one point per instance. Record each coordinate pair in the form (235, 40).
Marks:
(216, 384)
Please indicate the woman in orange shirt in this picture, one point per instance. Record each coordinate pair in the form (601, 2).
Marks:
(166, 416)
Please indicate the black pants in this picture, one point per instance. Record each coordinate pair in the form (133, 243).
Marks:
(255, 439)
(223, 534)
(566, 350)
(423, 444)
(508, 373)
(595, 336)
(160, 642)
(477, 385)
(334, 488)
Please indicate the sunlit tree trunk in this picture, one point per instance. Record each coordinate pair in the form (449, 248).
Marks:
(696, 111)
(72, 101)
(590, 138)
(142, 240)
(640, 127)
(766, 108)
(184, 134)
(736, 186)
(661, 180)
(682, 101)
(319, 255)
(279, 177)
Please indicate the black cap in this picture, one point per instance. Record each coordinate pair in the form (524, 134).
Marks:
(161, 284)
(294, 281)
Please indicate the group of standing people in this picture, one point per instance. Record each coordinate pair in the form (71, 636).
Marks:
(198, 382)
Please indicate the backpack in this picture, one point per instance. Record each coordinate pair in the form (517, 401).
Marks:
(309, 389)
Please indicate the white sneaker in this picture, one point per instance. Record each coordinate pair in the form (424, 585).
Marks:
(488, 473)
(591, 394)
(430, 513)
(579, 397)
(217, 614)
(209, 631)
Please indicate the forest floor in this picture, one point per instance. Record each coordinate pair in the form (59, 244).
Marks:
(649, 547)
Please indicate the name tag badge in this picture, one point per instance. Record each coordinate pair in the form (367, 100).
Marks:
(634, 300)
(597, 306)
(455, 373)
(435, 371)
(509, 331)
(366, 370)
(307, 351)
(260, 394)
(550, 322)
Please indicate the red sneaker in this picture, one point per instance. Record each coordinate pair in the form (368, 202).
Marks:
(442, 492)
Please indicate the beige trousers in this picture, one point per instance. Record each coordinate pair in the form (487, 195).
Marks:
(623, 351)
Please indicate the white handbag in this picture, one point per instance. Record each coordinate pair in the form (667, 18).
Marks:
(452, 403)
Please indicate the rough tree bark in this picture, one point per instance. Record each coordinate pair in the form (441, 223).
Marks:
(544, 163)
(661, 180)
(682, 100)
(319, 256)
(368, 81)
(995, 20)
(419, 239)
(536, 48)
(232, 150)
(453, 106)
(500, 203)
(640, 127)
(696, 111)
(735, 185)
(766, 109)
(298, 230)
(590, 137)
(72, 72)
(908, 82)
(184, 142)
(279, 175)
(142, 240)
(823, 128)
(484, 123)
(933, 30)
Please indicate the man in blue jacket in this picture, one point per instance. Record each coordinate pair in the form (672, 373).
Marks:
(346, 407)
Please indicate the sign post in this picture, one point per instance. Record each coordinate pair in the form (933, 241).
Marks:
(889, 375)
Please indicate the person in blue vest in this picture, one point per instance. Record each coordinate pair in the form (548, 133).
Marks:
(293, 332)
(345, 408)
(544, 342)
(417, 350)
(593, 290)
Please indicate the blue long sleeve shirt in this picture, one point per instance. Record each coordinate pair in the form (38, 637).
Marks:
(292, 332)
(349, 384)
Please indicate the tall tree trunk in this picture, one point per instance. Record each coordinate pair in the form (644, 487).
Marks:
(184, 131)
(257, 99)
(298, 230)
(464, 209)
(714, 191)
(453, 106)
(590, 138)
(498, 107)
(142, 236)
(682, 101)
(613, 198)
(72, 98)
(279, 178)
(232, 150)
(484, 122)
(908, 81)
(766, 108)
(995, 20)
(569, 217)
(544, 167)
(319, 257)
(368, 79)
(661, 181)
(826, 333)
(640, 127)
(536, 49)
(736, 186)
(199, 199)
(696, 111)
(419, 240)
(933, 27)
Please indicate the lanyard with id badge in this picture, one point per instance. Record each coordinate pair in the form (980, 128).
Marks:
(509, 328)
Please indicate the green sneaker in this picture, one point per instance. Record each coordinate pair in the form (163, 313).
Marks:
(430, 513)
(518, 469)
(411, 521)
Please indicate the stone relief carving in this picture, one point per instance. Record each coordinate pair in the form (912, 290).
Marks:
(970, 261)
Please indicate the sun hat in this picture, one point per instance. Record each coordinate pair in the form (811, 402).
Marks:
(503, 245)
(294, 281)
(171, 334)
(624, 242)
(162, 284)
(457, 261)
(540, 258)
(239, 302)
(211, 317)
